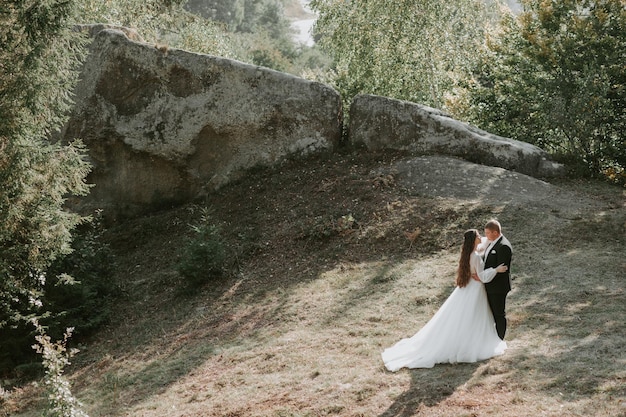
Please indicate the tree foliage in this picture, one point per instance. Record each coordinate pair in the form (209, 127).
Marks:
(247, 16)
(258, 30)
(405, 49)
(39, 62)
(254, 31)
(202, 259)
(56, 356)
(159, 21)
(555, 76)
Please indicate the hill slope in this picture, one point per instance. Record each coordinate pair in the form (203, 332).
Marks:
(322, 277)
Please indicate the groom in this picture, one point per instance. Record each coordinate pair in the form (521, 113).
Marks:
(498, 252)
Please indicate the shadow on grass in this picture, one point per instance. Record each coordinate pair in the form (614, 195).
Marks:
(573, 312)
(429, 387)
(569, 313)
(581, 322)
(574, 324)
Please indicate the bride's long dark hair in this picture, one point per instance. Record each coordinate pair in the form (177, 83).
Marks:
(464, 273)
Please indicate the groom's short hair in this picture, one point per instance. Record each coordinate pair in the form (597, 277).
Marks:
(494, 225)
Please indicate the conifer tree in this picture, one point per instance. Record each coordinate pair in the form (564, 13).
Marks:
(39, 61)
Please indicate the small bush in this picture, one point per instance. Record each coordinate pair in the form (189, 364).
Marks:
(202, 259)
(82, 304)
(76, 291)
(55, 357)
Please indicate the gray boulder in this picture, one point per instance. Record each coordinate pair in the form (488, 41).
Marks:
(165, 126)
(383, 123)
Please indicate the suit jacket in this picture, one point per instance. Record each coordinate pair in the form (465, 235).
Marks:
(500, 253)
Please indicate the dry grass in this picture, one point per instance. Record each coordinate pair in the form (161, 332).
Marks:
(298, 326)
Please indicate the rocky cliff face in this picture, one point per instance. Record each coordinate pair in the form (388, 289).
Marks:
(165, 126)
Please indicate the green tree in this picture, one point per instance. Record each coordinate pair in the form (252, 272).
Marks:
(254, 31)
(273, 46)
(159, 21)
(555, 76)
(39, 62)
(246, 16)
(252, 9)
(405, 49)
(257, 30)
(203, 258)
(230, 12)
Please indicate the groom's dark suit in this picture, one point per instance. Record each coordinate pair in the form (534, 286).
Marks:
(497, 290)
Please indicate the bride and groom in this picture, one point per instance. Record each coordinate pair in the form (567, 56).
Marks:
(471, 323)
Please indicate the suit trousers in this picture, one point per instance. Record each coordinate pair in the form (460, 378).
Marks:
(497, 303)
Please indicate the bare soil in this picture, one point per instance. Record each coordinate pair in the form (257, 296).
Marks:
(335, 257)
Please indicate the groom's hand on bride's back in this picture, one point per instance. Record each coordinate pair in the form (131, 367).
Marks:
(475, 277)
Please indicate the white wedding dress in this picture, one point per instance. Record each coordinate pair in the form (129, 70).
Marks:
(462, 330)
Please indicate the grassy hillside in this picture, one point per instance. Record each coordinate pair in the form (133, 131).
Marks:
(322, 277)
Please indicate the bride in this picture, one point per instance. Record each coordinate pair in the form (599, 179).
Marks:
(463, 329)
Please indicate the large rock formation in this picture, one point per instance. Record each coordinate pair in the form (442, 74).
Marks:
(164, 126)
(384, 123)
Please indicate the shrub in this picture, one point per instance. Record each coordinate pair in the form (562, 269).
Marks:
(55, 357)
(76, 292)
(84, 304)
(203, 257)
